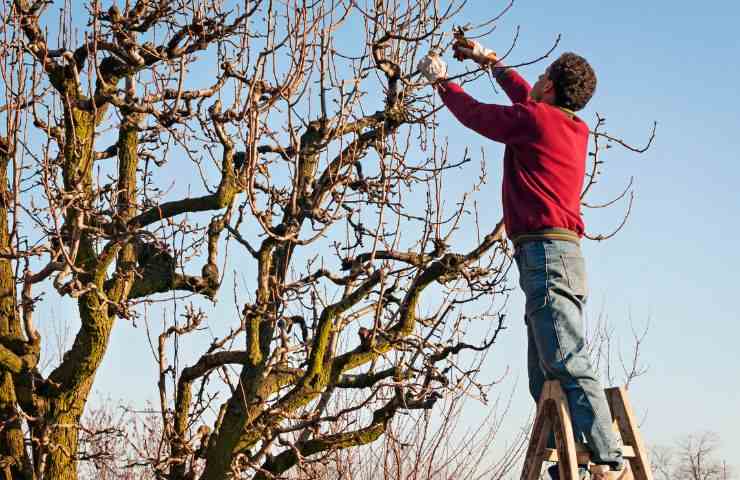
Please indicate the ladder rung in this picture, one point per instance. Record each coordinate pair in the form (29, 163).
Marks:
(583, 455)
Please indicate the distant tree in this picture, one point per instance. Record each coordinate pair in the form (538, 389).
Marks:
(692, 458)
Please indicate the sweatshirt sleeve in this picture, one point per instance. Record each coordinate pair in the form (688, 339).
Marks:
(505, 124)
(515, 86)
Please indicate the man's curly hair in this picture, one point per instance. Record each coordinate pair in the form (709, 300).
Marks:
(574, 80)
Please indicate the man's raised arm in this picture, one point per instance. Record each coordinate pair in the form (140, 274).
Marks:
(501, 123)
(505, 124)
(515, 86)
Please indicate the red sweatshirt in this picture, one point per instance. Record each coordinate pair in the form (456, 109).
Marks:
(544, 160)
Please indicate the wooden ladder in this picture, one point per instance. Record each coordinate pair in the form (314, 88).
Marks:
(553, 414)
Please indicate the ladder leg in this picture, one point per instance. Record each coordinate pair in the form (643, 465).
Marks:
(624, 416)
(564, 440)
(538, 439)
(553, 415)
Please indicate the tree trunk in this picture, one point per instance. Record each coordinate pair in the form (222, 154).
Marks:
(11, 436)
(63, 433)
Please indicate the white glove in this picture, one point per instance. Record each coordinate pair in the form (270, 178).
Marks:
(433, 67)
(478, 52)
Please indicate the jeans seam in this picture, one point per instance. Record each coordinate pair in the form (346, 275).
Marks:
(548, 304)
(547, 277)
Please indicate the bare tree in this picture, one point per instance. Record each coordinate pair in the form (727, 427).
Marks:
(694, 457)
(607, 355)
(436, 444)
(318, 161)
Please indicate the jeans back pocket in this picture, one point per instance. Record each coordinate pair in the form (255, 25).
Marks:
(575, 272)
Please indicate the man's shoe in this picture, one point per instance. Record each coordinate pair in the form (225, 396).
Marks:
(603, 472)
(555, 474)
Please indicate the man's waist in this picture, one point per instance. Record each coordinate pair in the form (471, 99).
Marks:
(562, 234)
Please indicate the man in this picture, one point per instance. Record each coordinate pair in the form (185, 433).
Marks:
(544, 167)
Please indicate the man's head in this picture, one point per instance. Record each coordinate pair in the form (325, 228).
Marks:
(569, 83)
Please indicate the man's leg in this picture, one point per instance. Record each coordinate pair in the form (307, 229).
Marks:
(536, 383)
(534, 366)
(553, 279)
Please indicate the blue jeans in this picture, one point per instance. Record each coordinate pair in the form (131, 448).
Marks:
(553, 276)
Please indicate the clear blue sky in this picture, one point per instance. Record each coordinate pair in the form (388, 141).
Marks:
(675, 262)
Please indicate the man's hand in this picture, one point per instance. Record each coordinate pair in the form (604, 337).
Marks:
(433, 67)
(465, 48)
